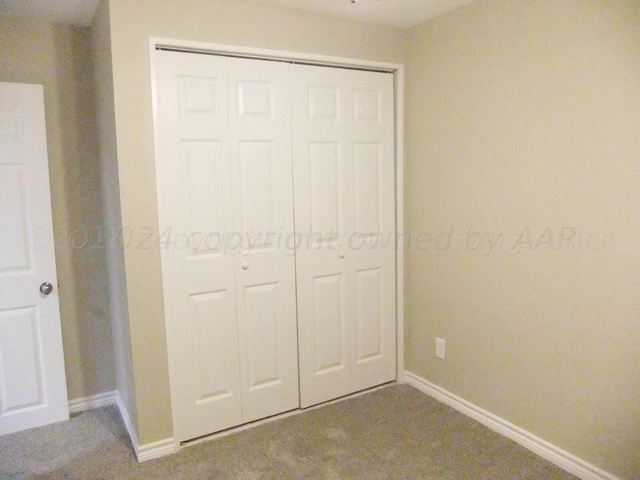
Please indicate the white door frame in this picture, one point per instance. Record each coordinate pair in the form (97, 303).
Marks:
(156, 43)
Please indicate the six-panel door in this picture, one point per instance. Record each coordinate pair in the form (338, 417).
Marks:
(343, 144)
(224, 191)
(230, 253)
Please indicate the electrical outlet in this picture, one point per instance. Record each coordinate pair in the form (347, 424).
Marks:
(440, 348)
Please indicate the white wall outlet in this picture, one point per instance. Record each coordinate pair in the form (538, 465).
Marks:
(440, 348)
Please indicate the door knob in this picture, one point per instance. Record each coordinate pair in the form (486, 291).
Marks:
(341, 255)
(245, 266)
(46, 288)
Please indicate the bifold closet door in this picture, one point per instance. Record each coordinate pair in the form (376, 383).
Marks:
(223, 164)
(260, 137)
(344, 157)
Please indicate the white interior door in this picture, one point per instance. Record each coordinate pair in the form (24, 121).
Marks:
(195, 214)
(228, 132)
(223, 165)
(260, 137)
(343, 148)
(33, 389)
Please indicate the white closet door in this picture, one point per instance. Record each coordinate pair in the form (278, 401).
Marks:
(196, 220)
(260, 138)
(226, 208)
(343, 144)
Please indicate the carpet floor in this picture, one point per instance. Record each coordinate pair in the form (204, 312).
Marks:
(395, 432)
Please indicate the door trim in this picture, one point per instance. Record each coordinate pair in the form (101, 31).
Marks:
(156, 43)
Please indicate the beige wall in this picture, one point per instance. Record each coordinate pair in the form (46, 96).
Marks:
(521, 116)
(222, 21)
(523, 126)
(57, 57)
(100, 44)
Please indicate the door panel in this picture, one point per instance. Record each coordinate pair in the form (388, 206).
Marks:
(262, 342)
(366, 161)
(330, 324)
(323, 104)
(257, 169)
(196, 221)
(367, 106)
(325, 185)
(13, 216)
(210, 312)
(203, 189)
(32, 379)
(22, 370)
(372, 253)
(260, 138)
(343, 144)
(369, 295)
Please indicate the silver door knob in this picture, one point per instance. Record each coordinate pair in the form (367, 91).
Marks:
(46, 288)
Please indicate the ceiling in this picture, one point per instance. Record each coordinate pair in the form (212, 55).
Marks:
(75, 12)
(396, 13)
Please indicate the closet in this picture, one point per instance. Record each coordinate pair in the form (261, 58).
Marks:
(276, 207)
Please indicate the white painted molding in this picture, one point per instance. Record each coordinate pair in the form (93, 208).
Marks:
(128, 424)
(537, 445)
(267, 54)
(399, 200)
(156, 450)
(83, 404)
(150, 450)
(143, 452)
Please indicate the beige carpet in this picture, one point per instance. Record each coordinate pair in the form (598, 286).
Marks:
(393, 433)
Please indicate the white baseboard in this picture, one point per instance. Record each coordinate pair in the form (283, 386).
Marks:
(83, 404)
(156, 450)
(128, 424)
(537, 445)
(150, 450)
